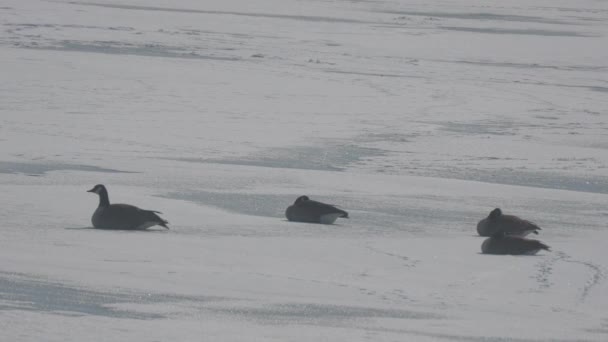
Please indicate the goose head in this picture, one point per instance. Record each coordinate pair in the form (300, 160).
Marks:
(104, 199)
(496, 213)
(301, 200)
(98, 189)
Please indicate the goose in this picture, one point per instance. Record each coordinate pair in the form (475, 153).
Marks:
(122, 216)
(500, 243)
(306, 210)
(509, 224)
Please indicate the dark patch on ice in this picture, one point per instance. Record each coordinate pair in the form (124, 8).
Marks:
(483, 128)
(195, 32)
(588, 87)
(245, 14)
(307, 313)
(546, 117)
(392, 138)
(248, 204)
(39, 169)
(533, 32)
(481, 16)
(23, 26)
(25, 292)
(323, 158)
(570, 9)
(121, 48)
(263, 162)
(594, 88)
(361, 73)
(548, 180)
(355, 317)
(529, 65)
(469, 338)
(407, 217)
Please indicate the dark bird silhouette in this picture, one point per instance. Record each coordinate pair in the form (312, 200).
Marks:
(500, 243)
(122, 216)
(306, 210)
(509, 224)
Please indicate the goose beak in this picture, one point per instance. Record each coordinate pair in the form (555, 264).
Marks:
(92, 190)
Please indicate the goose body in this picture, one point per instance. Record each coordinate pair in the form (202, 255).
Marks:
(306, 210)
(497, 222)
(513, 245)
(122, 216)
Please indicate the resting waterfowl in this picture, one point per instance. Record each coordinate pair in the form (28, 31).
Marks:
(122, 216)
(306, 210)
(500, 243)
(510, 224)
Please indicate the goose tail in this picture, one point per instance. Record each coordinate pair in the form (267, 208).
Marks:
(164, 223)
(543, 246)
(159, 220)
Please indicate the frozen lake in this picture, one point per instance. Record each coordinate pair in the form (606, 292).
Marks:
(417, 118)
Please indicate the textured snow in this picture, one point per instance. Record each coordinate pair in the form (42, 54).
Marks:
(418, 118)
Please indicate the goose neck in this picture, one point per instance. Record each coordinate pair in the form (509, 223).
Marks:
(104, 200)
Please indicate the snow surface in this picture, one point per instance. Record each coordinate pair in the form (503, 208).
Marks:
(418, 118)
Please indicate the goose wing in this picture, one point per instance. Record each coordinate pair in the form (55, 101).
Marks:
(514, 224)
(512, 245)
(126, 216)
(321, 208)
(484, 228)
(516, 246)
(312, 211)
